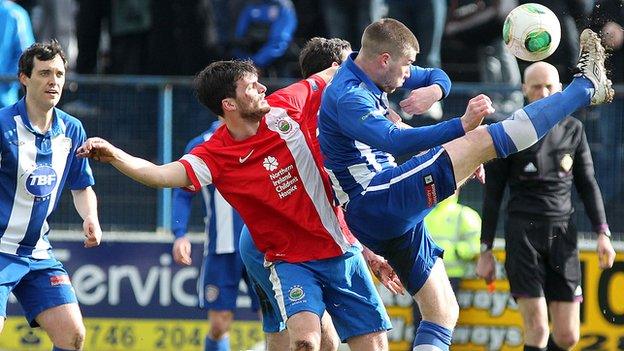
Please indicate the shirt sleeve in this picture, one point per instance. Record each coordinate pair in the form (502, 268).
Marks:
(196, 165)
(182, 201)
(496, 173)
(423, 77)
(80, 175)
(360, 120)
(586, 184)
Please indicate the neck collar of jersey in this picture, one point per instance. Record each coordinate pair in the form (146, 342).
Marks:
(357, 71)
(55, 128)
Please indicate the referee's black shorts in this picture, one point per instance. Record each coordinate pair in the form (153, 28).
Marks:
(542, 259)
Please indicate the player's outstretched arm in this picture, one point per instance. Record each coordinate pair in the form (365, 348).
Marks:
(85, 202)
(170, 175)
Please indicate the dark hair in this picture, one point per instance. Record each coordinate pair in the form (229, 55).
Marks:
(319, 54)
(218, 81)
(43, 52)
(388, 35)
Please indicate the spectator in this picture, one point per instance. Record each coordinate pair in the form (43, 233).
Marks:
(426, 18)
(93, 17)
(15, 36)
(347, 19)
(264, 31)
(57, 20)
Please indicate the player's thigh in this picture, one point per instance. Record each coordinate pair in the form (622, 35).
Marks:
(62, 321)
(330, 341)
(348, 287)
(398, 198)
(2, 319)
(436, 300)
(218, 283)
(469, 151)
(534, 312)
(565, 320)
(46, 286)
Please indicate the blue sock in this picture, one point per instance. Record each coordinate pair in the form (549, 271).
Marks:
(217, 345)
(56, 348)
(432, 337)
(526, 126)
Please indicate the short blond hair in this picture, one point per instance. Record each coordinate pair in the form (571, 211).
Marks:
(388, 35)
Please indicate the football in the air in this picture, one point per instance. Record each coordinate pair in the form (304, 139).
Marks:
(531, 32)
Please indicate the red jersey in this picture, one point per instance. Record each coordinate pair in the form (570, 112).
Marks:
(275, 179)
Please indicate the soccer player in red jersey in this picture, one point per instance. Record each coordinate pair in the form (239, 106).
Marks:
(266, 163)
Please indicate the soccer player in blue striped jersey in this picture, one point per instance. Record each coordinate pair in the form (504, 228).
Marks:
(37, 159)
(385, 203)
(222, 268)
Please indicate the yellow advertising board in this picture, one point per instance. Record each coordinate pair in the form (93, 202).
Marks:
(132, 335)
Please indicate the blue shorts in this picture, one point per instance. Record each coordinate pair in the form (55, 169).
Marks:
(389, 215)
(253, 259)
(338, 285)
(38, 285)
(219, 279)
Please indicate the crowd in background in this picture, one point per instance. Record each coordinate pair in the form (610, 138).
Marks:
(159, 37)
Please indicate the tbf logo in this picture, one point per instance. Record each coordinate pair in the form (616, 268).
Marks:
(41, 181)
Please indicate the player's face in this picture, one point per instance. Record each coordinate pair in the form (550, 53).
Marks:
(45, 84)
(541, 83)
(250, 98)
(397, 71)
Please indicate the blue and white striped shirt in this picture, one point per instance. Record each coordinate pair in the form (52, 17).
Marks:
(34, 167)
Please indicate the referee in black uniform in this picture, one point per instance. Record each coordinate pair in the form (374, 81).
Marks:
(542, 260)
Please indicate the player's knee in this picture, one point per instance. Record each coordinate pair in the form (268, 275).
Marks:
(537, 329)
(217, 331)
(566, 339)
(73, 339)
(303, 345)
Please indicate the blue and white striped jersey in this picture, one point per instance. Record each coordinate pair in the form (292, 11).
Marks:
(33, 170)
(223, 224)
(356, 138)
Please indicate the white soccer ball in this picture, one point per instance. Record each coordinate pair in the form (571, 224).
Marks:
(531, 32)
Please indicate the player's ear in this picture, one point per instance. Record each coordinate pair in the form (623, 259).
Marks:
(228, 104)
(524, 89)
(384, 59)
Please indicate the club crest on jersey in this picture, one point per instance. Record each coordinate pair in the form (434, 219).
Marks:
(284, 126)
(566, 163)
(40, 181)
(296, 293)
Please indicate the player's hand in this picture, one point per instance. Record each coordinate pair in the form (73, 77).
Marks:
(606, 253)
(479, 174)
(420, 100)
(97, 149)
(182, 251)
(486, 266)
(92, 231)
(384, 273)
(478, 108)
